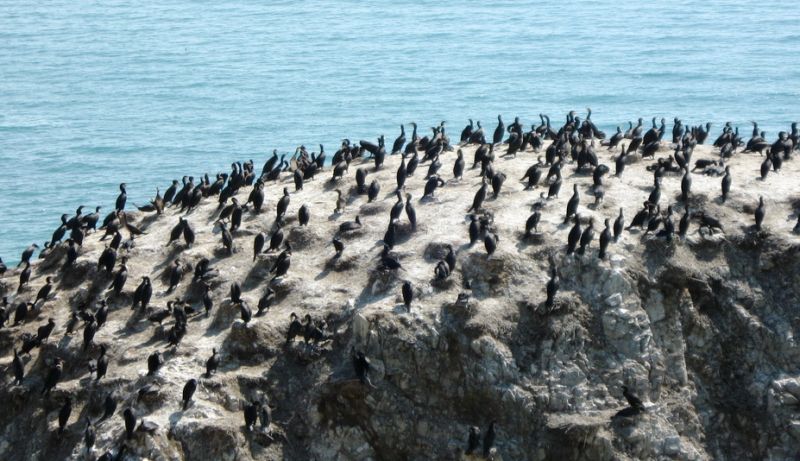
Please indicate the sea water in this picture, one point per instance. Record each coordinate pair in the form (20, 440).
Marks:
(94, 93)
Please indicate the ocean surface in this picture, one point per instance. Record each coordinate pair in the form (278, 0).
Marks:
(94, 93)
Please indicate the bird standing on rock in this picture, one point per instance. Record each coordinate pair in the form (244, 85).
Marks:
(188, 392)
(574, 236)
(760, 213)
(408, 294)
(362, 367)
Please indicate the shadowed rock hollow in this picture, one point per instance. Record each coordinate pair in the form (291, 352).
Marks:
(702, 329)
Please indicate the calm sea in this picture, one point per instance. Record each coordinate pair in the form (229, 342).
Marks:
(96, 93)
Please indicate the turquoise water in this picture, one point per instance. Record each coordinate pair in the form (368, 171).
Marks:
(96, 93)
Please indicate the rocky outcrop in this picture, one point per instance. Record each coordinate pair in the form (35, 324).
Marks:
(702, 330)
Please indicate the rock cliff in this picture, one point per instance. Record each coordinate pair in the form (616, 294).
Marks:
(701, 329)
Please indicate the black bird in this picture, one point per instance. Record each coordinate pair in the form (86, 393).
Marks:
(686, 185)
(338, 246)
(19, 369)
(276, 239)
(441, 271)
(683, 225)
(21, 313)
(373, 191)
(458, 166)
(265, 415)
(605, 239)
(497, 183)
(619, 225)
(60, 231)
(227, 238)
(102, 363)
(109, 407)
(641, 217)
(212, 363)
(361, 180)
(43, 332)
(160, 315)
(24, 276)
(760, 212)
(474, 440)
(408, 294)
(474, 229)
(431, 185)
(402, 174)
(532, 223)
(245, 312)
(572, 204)
(295, 328)
(362, 367)
(63, 414)
(175, 276)
(236, 292)
(27, 253)
(303, 215)
(499, 131)
(265, 301)
(633, 401)
(312, 332)
(72, 253)
(153, 363)
(44, 292)
(53, 375)
(122, 197)
(555, 187)
(88, 333)
(411, 213)
(283, 262)
(250, 415)
(72, 323)
(283, 204)
(654, 221)
(397, 208)
(89, 435)
(188, 392)
(766, 165)
(655, 194)
(488, 439)
(29, 342)
(480, 196)
(389, 261)
(208, 301)
(533, 174)
(450, 257)
(298, 180)
(490, 243)
(130, 422)
(258, 244)
(574, 236)
(726, 183)
(669, 226)
(348, 226)
(399, 141)
(143, 294)
(552, 288)
(118, 283)
(107, 259)
(466, 133)
(177, 230)
(586, 237)
(390, 236)
(188, 234)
